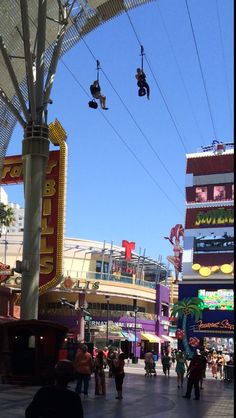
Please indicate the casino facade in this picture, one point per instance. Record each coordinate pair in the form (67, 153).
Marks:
(208, 269)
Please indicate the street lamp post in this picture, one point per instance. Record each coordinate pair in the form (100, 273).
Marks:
(135, 329)
(79, 309)
(108, 309)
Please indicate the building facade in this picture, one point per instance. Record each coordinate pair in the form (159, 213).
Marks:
(208, 270)
(108, 294)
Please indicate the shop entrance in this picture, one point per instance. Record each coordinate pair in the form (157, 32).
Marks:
(126, 347)
(219, 344)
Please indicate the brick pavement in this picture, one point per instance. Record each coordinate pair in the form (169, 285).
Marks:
(143, 398)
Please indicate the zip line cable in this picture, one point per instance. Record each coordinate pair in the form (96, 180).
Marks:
(179, 71)
(125, 143)
(140, 163)
(117, 133)
(136, 123)
(159, 88)
(224, 60)
(201, 70)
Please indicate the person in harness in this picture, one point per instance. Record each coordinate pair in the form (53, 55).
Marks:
(95, 90)
(142, 83)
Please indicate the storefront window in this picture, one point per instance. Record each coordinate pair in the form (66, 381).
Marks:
(219, 344)
(99, 267)
(201, 194)
(219, 193)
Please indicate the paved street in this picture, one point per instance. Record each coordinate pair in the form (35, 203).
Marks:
(143, 398)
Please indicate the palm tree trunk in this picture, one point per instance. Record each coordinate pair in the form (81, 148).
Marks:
(185, 339)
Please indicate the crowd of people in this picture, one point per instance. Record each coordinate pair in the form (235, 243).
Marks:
(52, 400)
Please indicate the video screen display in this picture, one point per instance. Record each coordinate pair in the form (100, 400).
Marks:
(222, 299)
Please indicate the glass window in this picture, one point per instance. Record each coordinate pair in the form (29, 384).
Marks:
(232, 191)
(219, 193)
(201, 194)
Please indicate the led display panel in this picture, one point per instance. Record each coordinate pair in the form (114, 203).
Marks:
(222, 299)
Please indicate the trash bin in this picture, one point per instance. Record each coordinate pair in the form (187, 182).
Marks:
(134, 360)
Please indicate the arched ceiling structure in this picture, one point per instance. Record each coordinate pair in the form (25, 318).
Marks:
(85, 16)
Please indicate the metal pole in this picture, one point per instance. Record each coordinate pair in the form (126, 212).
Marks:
(168, 267)
(135, 332)
(135, 328)
(42, 12)
(55, 59)
(103, 253)
(137, 268)
(5, 249)
(11, 107)
(35, 150)
(158, 272)
(141, 271)
(28, 58)
(107, 333)
(110, 261)
(13, 78)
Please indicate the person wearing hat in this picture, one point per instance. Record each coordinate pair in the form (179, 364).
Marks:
(57, 400)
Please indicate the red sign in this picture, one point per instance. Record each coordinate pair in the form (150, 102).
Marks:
(129, 246)
(52, 221)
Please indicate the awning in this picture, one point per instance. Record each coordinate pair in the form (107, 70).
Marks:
(152, 338)
(167, 338)
(111, 336)
(130, 336)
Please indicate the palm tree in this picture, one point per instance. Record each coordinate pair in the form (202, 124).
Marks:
(184, 308)
(8, 215)
(7, 218)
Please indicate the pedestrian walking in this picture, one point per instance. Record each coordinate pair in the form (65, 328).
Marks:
(204, 366)
(173, 356)
(99, 365)
(214, 366)
(181, 366)
(119, 374)
(84, 367)
(220, 365)
(166, 363)
(57, 400)
(194, 373)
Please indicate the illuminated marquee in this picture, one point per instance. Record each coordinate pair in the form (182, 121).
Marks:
(225, 324)
(215, 217)
(53, 204)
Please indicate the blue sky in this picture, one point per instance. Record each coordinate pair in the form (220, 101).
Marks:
(126, 168)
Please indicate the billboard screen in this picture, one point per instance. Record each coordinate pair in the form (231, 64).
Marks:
(222, 299)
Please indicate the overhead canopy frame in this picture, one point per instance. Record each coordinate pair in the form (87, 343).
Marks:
(17, 57)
